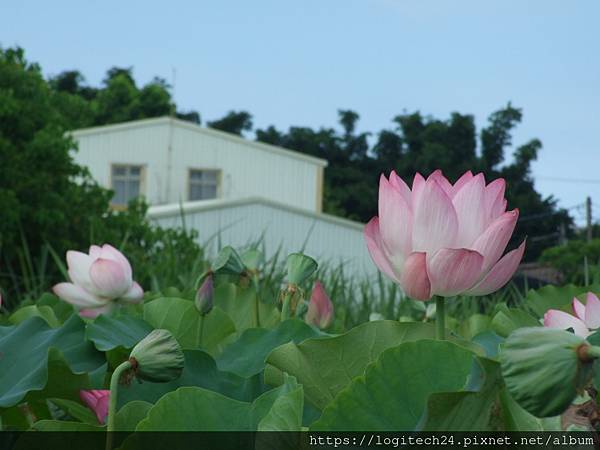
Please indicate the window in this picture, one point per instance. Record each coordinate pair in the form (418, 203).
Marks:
(204, 184)
(126, 182)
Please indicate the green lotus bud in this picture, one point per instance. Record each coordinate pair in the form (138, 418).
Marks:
(299, 268)
(545, 368)
(157, 357)
(228, 262)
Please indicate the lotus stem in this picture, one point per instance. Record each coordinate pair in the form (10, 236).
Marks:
(440, 319)
(112, 403)
(201, 337)
(588, 352)
(286, 308)
(256, 310)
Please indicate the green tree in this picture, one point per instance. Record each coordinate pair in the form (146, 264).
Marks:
(424, 144)
(235, 122)
(39, 198)
(48, 201)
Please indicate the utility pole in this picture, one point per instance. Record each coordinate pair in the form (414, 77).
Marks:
(562, 231)
(588, 217)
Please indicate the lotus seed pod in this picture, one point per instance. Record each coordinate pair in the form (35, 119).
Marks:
(157, 357)
(544, 368)
(299, 268)
(228, 262)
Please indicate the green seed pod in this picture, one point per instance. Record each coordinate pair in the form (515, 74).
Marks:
(228, 262)
(252, 259)
(157, 357)
(299, 268)
(545, 368)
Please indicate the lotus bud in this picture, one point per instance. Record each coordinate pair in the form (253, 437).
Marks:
(299, 268)
(204, 296)
(320, 308)
(97, 400)
(545, 368)
(228, 262)
(157, 357)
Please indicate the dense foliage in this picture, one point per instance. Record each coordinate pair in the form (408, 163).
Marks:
(423, 144)
(574, 259)
(50, 204)
(250, 366)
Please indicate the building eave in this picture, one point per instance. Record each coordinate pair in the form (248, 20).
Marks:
(177, 209)
(162, 121)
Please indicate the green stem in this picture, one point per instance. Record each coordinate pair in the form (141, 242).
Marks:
(256, 311)
(285, 308)
(593, 352)
(200, 338)
(440, 319)
(112, 402)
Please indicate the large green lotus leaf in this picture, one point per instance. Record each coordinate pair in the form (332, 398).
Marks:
(490, 342)
(197, 409)
(287, 410)
(76, 410)
(515, 418)
(36, 357)
(555, 297)
(125, 331)
(506, 320)
(45, 312)
(474, 325)
(240, 304)
(61, 435)
(62, 310)
(200, 370)
(131, 414)
(393, 392)
(181, 318)
(15, 417)
(464, 411)
(246, 356)
(325, 366)
(63, 425)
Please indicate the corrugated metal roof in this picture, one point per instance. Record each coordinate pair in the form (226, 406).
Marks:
(160, 121)
(174, 209)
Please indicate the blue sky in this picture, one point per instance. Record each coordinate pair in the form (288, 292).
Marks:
(296, 62)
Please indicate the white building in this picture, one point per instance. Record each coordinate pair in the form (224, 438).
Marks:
(225, 185)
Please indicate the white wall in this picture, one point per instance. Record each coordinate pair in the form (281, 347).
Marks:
(144, 145)
(330, 239)
(248, 168)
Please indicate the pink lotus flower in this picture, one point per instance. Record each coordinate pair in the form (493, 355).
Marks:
(320, 308)
(97, 401)
(99, 280)
(443, 239)
(585, 321)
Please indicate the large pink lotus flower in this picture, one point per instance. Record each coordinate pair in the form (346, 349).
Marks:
(99, 281)
(97, 401)
(585, 321)
(443, 239)
(320, 308)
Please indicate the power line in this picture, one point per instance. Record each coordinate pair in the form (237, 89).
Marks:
(547, 214)
(568, 180)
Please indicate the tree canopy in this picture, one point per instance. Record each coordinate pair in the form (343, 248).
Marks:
(422, 144)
